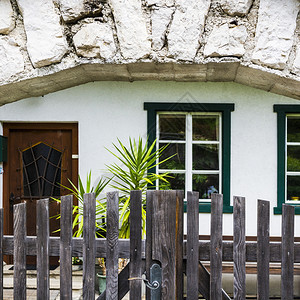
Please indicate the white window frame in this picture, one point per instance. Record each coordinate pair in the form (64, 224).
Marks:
(289, 173)
(189, 172)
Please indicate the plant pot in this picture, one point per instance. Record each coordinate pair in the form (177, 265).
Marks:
(77, 268)
(101, 282)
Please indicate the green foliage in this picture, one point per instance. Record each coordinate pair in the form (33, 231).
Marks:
(133, 172)
(78, 209)
(174, 165)
(293, 164)
(176, 182)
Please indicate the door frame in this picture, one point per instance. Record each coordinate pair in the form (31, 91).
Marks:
(7, 127)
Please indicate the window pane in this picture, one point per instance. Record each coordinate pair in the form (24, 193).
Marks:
(41, 171)
(176, 182)
(293, 187)
(293, 158)
(205, 157)
(177, 162)
(205, 128)
(172, 127)
(205, 185)
(293, 129)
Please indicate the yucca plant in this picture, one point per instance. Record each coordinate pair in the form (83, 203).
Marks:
(133, 172)
(78, 209)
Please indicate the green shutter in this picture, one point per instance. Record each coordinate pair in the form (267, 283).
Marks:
(281, 111)
(3, 148)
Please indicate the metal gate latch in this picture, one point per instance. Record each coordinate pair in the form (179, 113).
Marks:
(156, 280)
(154, 284)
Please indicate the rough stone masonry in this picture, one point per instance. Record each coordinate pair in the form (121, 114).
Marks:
(48, 45)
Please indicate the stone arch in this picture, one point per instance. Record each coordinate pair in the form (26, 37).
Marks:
(255, 43)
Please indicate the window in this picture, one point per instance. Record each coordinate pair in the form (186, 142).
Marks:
(199, 136)
(193, 140)
(41, 171)
(288, 156)
(293, 158)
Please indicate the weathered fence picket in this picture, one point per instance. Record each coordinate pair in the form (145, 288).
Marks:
(149, 241)
(163, 239)
(287, 252)
(179, 246)
(117, 286)
(19, 251)
(112, 235)
(65, 251)
(164, 245)
(216, 246)
(239, 249)
(135, 268)
(89, 213)
(263, 249)
(192, 245)
(42, 248)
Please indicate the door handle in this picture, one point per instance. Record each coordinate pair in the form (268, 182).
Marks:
(12, 200)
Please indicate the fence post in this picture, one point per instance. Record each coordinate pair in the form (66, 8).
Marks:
(239, 248)
(263, 249)
(192, 245)
(112, 250)
(287, 254)
(66, 208)
(89, 216)
(216, 247)
(42, 248)
(20, 251)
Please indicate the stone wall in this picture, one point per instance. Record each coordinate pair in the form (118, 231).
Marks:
(50, 45)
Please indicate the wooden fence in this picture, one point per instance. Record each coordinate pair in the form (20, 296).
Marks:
(163, 248)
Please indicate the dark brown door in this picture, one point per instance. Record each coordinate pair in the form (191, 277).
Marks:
(39, 162)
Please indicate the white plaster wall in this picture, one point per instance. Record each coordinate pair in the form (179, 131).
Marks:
(107, 110)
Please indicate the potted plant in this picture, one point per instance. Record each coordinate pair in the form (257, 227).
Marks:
(133, 171)
(101, 275)
(100, 223)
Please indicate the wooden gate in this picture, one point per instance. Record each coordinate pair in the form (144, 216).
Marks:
(164, 256)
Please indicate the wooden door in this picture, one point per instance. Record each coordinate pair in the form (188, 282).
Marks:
(41, 158)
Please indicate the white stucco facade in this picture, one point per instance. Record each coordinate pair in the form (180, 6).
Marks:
(106, 111)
